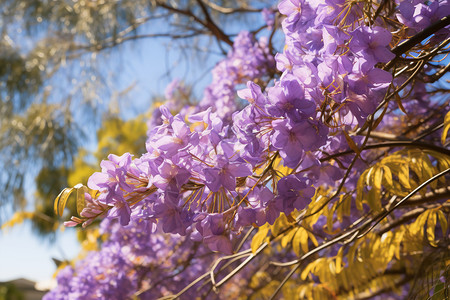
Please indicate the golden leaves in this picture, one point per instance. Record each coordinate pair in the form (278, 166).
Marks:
(428, 219)
(61, 201)
(81, 190)
(397, 174)
(446, 128)
(17, 218)
(63, 197)
(260, 237)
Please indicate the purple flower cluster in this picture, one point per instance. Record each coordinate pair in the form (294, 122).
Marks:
(417, 15)
(132, 260)
(336, 66)
(210, 173)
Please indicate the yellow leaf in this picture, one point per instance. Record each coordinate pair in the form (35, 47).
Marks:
(371, 198)
(398, 238)
(359, 192)
(416, 228)
(308, 268)
(369, 176)
(279, 167)
(81, 189)
(280, 224)
(300, 241)
(376, 188)
(304, 240)
(387, 176)
(287, 238)
(446, 128)
(329, 213)
(347, 205)
(345, 281)
(443, 162)
(403, 176)
(61, 200)
(259, 238)
(296, 241)
(339, 260)
(388, 243)
(428, 170)
(351, 143)
(17, 218)
(443, 221)
(399, 103)
(313, 239)
(431, 226)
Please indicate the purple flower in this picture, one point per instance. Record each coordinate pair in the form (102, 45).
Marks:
(121, 210)
(253, 94)
(417, 15)
(361, 82)
(293, 193)
(291, 139)
(178, 139)
(372, 43)
(288, 99)
(113, 173)
(225, 170)
(297, 12)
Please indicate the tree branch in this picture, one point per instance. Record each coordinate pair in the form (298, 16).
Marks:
(413, 144)
(418, 38)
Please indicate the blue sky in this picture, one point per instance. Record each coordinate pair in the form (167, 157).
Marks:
(23, 254)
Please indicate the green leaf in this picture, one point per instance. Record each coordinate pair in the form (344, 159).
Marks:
(438, 292)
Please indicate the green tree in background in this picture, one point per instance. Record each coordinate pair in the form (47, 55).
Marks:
(115, 134)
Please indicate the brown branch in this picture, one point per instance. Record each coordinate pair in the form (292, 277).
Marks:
(228, 10)
(211, 25)
(413, 144)
(418, 38)
(435, 77)
(208, 24)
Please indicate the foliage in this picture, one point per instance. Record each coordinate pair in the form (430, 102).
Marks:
(116, 133)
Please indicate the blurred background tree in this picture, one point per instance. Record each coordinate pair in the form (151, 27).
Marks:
(57, 68)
